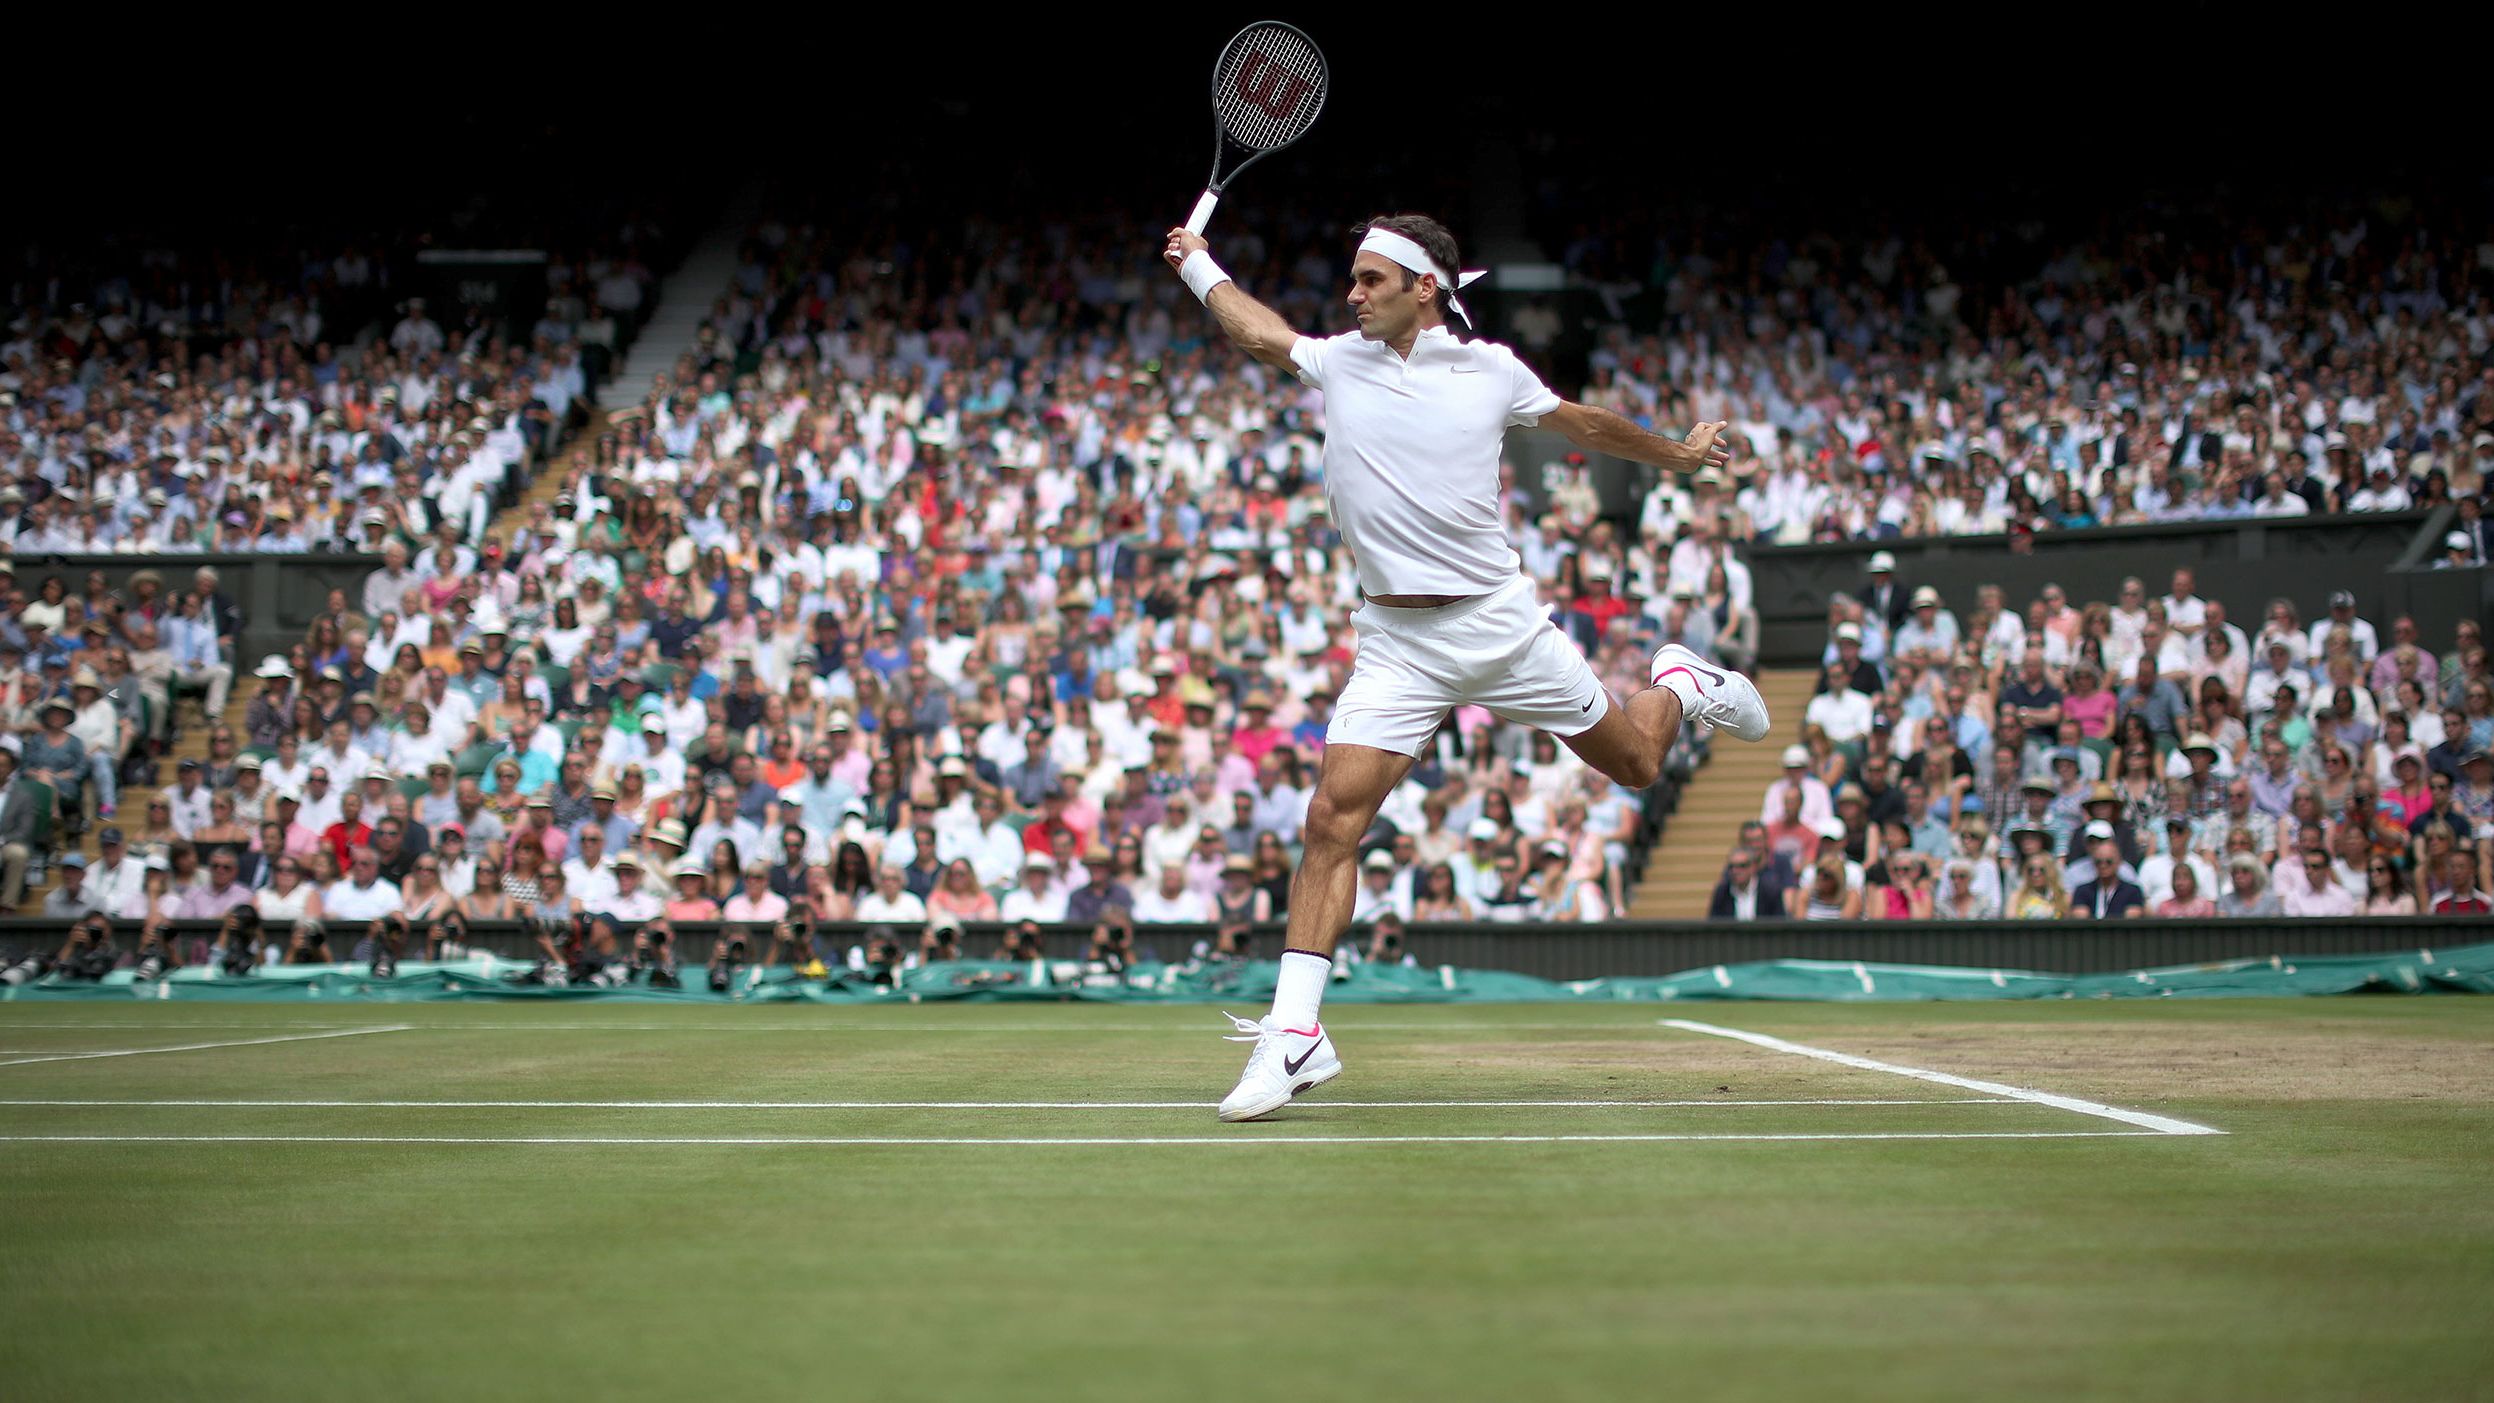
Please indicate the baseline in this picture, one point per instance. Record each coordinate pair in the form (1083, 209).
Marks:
(979, 1105)
(1130, 1140)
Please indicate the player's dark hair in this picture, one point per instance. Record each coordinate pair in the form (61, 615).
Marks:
(1435, 238)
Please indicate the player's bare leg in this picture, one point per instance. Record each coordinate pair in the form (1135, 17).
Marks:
(1292, 1052)
(1352, 782)
(1633, 738)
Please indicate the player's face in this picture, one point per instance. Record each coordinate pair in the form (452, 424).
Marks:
(1387, 310)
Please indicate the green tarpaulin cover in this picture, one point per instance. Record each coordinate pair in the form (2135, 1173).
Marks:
(2466, 969)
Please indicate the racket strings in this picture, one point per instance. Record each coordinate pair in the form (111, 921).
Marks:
(1271, 87)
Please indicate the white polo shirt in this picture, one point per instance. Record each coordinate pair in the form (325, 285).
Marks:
(1411, 455)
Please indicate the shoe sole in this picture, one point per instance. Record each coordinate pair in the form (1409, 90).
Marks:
(1269, 1107)
(1766, 723)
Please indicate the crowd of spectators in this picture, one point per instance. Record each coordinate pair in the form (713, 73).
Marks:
(966, 579)
(169, 402)
(2146, 756)
(2133, 375)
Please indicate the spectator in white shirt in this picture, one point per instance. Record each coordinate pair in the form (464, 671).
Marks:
(2185, 612)
(362, 894)
(1169, 901)
(1843, 713)
(2342, 615)
(190, 799)
(890, 903)
(1039, 898)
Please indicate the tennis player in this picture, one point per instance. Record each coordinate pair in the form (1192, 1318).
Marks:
(1415, 417)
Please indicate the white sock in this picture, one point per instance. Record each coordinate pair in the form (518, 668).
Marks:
(1683, 684)
(1300, 989)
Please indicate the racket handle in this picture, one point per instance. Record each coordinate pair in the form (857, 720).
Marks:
(1203, 212)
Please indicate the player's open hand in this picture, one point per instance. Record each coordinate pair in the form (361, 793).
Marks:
(1703, 438)
(1182, 243)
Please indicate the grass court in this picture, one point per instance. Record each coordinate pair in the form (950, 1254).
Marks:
(2171, 1200)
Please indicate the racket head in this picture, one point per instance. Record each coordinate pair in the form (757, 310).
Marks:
(1268, 87)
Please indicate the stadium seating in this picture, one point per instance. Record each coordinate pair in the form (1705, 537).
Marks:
(950, 496)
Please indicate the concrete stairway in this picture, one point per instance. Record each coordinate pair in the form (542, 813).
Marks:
(191, 743)
(1680, 874)
(685, 298)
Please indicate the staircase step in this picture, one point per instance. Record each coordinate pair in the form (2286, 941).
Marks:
(1681, 872)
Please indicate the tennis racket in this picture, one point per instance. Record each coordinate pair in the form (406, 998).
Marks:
(1266, 91)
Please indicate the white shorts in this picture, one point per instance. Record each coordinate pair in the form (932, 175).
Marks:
(1498, 650)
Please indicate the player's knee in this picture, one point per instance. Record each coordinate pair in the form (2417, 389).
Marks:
(1332, 827)
(1637, 770)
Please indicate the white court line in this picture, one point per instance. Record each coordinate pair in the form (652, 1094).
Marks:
(2162, 1125)
(828, 1027)
(200, 1047)
(979, 1105)
(1242, 1138)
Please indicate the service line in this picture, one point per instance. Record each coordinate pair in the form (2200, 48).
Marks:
(2162, 1125)
(201, 1047)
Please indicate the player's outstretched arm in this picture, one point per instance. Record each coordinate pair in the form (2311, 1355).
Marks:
(1598, 430)
(1257, 329)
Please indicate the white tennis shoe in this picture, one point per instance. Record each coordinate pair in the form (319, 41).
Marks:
(1714, 697)
(1285, 1062)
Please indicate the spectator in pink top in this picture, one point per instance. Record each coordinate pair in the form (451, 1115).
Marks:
(2088, 702)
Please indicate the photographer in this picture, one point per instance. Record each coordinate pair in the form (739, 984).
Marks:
(942, 941)
(156, 952)
(597, 953)
(308, 944)
(653, 955)
(792, 944)
(730, 954)
(446, 938)
(1022, 942)
(385, 940)
(1385, 943)
(1112, 940)
(239, 937)
(880, 955)
(89, 953)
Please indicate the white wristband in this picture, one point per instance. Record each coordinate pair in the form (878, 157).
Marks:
(1201, 274)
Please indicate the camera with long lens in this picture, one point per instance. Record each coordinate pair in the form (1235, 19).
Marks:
(241, 953)
(91, 954)
(25, 971)
(653, 954)
(449, 937)
(731, 956)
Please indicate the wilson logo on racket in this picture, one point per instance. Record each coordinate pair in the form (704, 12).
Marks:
(1269, 86)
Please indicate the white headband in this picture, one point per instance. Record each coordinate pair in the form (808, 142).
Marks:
(1413, 258)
